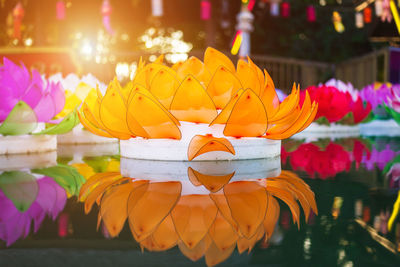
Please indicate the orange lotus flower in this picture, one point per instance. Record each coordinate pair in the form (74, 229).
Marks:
(242, 100)
(212, 224)
(159, 97)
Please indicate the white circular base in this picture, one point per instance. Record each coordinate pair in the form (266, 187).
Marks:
(27, 144)
(176, 150)
(88, 150)
(380, 128)
(329, 131)
(178, 170)
(27, 161)
(80, 136)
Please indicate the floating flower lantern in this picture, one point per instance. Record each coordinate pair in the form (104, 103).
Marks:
(183, 112)
(341, 108)
(27, 103)
(76, 90)
(204, 212)
(393, 102)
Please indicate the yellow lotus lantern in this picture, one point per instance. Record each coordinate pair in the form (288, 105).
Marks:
(210, 105)
(210, 223)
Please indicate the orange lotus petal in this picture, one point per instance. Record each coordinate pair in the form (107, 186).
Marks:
(223, 116)
(98, 192)
(159, 60)
(177, 65)
(152, 207)
(194, 66)
(261, 78)
(113, 112)
(94, 181)
(248, 77)
(192, 103)
(271, 216)
(303, 123)
(294, 120)
(196, 252)
(215, 256)
(113, 208)
(193, 216)
(163, 87)
(286, 197)
(137, 88)
(154, 120)
(223, 86)
(248, 203)
(287, 105)
(310, 119)
(165, 235)
(149, 244)
(248, 117)
(201, 144)
(269, 97)
(244, 243)
(213, 59)
(213, 183)
(146, 75)
(90, 127)
(89, 116)
(223, 207)
(222, 233)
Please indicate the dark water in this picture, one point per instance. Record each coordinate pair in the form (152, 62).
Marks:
(355, 182)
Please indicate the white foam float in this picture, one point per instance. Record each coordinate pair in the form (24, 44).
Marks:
(80, 136)
(27, 144)
(176, 150)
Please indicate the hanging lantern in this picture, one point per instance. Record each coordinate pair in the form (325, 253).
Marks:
(274, 8)
(386, 12)
(60, 10)
(106, 13)
(378, 7)
(337, 22)
(311, 15)
(18, 15)
(359, 20)
(285, 9)
(157, 8)
(205, 9)
(367, 15)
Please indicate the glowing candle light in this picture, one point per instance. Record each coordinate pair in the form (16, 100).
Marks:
(359, 20)
(157, 8)
(367, 15)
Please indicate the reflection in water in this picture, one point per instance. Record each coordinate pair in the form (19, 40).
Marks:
(204, 214)
(25, 199)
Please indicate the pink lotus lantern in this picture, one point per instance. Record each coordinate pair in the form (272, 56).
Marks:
(285, 9)
(311, 14)
(60, 10)
(18, 15)
(40, 198)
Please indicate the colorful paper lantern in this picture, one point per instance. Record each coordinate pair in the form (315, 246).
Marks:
(285, 9)
(274, 8)
(386, 13)
(311, 14)
(18, 15)
(337, 22)
(106, 13)
(60, 10)
(378, 7)
(367, 15)
(157, 8)
(205, 10)
(359, 20)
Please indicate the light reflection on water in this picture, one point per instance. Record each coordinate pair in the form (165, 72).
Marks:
(213, 211)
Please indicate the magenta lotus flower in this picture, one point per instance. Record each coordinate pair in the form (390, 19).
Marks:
(49, 199)
(375, 94)
(379, 158)
(393, 100)
(17, 84)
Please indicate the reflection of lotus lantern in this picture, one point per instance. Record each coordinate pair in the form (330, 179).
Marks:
(194, 108)
(203, 214)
